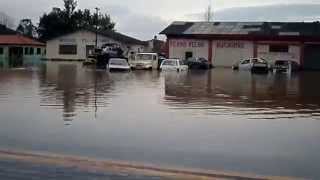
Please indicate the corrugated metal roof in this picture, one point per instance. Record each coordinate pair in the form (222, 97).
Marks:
(243, 28)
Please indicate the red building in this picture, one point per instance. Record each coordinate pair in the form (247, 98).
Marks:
(225, 43)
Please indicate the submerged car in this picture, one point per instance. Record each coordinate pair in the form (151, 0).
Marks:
(145, 61)
(258, 65)
(285, 66)
(198, 63)
(118, 64)
(173, 64)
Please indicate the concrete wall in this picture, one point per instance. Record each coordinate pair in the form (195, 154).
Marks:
(82, 39)
(226, 53)
(179, 47)
(293, 54)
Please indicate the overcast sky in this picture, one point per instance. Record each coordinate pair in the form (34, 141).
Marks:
(145, 18)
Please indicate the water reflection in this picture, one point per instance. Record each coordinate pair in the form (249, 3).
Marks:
(70, 86)
(254, 96)
(216, 119)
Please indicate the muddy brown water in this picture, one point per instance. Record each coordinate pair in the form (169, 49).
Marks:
(214, 120)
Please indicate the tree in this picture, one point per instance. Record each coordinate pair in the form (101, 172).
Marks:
(27, 28)
(70, 19)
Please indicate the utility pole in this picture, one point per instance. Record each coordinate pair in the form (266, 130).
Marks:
(209, 12)
(97, 23)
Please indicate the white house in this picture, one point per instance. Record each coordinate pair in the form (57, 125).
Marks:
(77, 45)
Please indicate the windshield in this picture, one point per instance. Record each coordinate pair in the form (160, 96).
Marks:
(282, 63)
(144, 57)
(170, 63)
(119, 62)
(259, 61)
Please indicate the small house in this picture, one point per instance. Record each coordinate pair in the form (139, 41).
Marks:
(18, 50)
(78, 45)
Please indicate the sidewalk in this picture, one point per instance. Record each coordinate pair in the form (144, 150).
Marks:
(25, 166)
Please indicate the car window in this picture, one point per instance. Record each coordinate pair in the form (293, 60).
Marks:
(182, 62)
(245, 61)
(120, 62)
(170, 63)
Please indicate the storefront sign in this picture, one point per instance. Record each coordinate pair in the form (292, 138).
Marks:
(230, 44)
(186, 44)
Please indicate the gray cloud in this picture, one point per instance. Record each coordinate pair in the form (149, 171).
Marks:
(277, 12)
(135, 24)
(145, 18)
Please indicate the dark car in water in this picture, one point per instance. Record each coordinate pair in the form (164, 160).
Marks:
(198, 63)
(286, 66)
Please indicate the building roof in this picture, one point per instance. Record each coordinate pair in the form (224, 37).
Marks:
(311, 29)
(121, 37)
(111, 34)
(15, 39)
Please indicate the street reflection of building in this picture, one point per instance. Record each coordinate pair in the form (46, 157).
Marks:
(69, 86)
(225, 88)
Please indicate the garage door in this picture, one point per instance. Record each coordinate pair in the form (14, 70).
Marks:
(227, 53)
(312, 57)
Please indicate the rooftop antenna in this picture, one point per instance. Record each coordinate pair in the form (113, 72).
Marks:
(209, 14)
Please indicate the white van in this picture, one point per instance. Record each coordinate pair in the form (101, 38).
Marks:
(145, 61)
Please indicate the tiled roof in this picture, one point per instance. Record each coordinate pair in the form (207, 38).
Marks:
(18, 40)
(244, 28)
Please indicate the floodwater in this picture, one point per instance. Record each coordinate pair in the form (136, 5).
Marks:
(215, 120)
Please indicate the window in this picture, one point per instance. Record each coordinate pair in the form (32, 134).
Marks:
(68, 49)
(1, 50)
(26, 50)
(279, 48)
(31, 52)
(38, 51)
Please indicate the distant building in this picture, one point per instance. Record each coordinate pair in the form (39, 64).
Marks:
(224, 43)
(155, 45)
(78, 45)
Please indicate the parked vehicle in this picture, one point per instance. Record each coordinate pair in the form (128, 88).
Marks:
(145, 61)
(118, 64)
(173, 64)
(286, 66)
(198, 63)
(255, 65)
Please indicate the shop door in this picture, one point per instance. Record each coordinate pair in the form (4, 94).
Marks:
(311, 57)
(188, 55)
(89, 48)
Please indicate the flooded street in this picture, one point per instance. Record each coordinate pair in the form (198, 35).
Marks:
(215, 120)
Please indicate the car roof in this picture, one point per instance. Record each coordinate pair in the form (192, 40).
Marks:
(172, 59)
(147, 53)
(117, 59)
